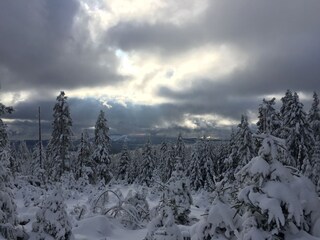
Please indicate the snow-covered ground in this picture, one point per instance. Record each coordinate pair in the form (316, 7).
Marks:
(95, 226)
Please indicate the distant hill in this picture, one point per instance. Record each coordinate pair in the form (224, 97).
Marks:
(133, 141)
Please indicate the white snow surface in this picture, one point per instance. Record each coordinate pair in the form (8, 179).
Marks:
(100, 227)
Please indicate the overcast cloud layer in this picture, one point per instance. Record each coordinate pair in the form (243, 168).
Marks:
(160, 67)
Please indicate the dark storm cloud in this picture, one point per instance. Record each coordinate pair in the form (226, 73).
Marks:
(41, 46)
(280, 39)
(242, 23)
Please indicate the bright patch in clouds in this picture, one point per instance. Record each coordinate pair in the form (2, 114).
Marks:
(107, 13)
(149, 72)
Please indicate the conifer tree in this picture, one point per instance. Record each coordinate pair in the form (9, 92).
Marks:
(195, 169)
(208, 166)
(180, 150)
(24, 158)
(313, 170)
(167, 153)
(134, 166)
(8, 208)
(299, 134)
(229, 161)
(83, 157)
(60, 141)
(15, 162)
(147, 165)
(243, 149)
(286, 101)
(269, 119)
(162, 160)
(101, 153)
(124, 162)
(272, 201)
(177, 195)
(314, 116)
(38, 169)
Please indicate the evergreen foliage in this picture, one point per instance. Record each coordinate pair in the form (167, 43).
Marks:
(8, 208)
(83, 167)
(180, 149)
(195, 170)
(163, 227)
(271, 200)
(60, 141)
(166, 165)
(52, 221)
(177, 195)
(299, 135)
(101, 153)
(147, 165)
(124, 162)
(314, 116)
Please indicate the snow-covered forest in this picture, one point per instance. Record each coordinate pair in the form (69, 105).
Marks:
(260, 184)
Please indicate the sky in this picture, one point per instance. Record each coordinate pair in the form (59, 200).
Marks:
(155, 67)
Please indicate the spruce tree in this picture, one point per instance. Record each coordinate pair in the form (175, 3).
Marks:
(162, 160)
(208, 166)
(314, 167)
(147, 165)
(60, 141)
(195, 169)
(180, 149)
(37, 167)
(177, 195)
(101, 153)
(269, 119)
(134, 166)
(83, 157)
(286, 101)
(15, 162)
(124, 162)
(244, 145)
(8, 208)
(314, 116)
(299, 138)
(24, 158)
(272, 201)
(167, 153)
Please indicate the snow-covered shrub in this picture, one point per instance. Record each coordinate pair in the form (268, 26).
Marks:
(273, 201)
(52, 221)
(8, 208)
(177, 195)
(135, 210)
(32, 195)
(218, 223)
(163, 227)
(220, 220)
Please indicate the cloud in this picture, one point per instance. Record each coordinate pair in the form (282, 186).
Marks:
(47, 44)
(163, 119)
(278, 39)
(168, 67)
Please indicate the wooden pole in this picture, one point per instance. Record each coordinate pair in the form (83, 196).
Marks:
(40, 140)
